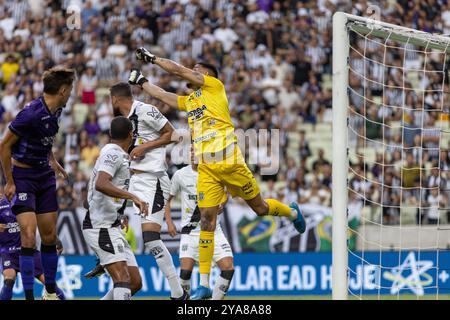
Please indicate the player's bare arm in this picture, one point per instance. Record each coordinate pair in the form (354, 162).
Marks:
(172, 67)
(170, 225)
(57, 167)
(104, 185)
(5, 154)
(164, 139)
(169, 98)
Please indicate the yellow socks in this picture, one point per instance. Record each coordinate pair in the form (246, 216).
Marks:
(276, 208)
(206, 251)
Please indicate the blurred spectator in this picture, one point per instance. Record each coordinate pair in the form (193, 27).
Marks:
(90, 153)
(274, 59)
(87, 86)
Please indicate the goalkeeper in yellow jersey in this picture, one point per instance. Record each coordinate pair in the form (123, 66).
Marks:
(221, 163)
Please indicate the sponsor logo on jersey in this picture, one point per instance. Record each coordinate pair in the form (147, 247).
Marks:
(154, 113)
(110, 160)
(206, 137)
(197, 113)
(45, 118)
(47, 140)
(23, 196)
(192, 196)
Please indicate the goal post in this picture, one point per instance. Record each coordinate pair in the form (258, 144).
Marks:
(386, 33)
(340, 157)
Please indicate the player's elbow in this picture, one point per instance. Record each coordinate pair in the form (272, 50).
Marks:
(99, 186)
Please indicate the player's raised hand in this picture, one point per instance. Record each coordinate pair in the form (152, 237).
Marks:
(143, 206)
(144, 55)
(10, 190)
(136, 77)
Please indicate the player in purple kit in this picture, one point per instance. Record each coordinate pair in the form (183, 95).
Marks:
(29, 167)
(10, 249)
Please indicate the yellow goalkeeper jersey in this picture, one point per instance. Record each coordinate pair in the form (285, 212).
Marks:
(209, 117)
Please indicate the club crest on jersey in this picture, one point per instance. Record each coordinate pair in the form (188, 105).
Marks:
(195, 94)
(197, 113)
(201, 196)
(23, 196)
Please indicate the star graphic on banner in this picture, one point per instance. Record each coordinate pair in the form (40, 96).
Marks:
(443, 276)
(416, 280)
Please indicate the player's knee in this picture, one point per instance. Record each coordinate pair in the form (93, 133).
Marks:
(207, 220)
(260, 210)
(226, 264)
(49, 238)
(207, 225)
(28, 238)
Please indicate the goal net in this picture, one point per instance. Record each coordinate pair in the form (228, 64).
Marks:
(391, 164)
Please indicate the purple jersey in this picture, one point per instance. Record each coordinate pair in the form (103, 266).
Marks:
(10, 238)
(36, 127)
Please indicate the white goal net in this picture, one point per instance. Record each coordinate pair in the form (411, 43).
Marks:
(397, 153)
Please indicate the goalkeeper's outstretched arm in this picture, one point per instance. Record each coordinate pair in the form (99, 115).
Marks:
(169, 98)
(172, 67)
(137, 78)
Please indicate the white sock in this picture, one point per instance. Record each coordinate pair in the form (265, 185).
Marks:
(204, 279)
(109, 295)
(121, 292)
(222, 285)
(165, 263)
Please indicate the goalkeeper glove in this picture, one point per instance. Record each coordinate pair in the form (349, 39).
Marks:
(136, 77)
(145, 55)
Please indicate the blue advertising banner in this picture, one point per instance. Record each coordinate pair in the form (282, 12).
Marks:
(280, 274)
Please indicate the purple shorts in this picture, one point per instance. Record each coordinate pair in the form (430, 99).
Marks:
(35, 190)
(11, 261)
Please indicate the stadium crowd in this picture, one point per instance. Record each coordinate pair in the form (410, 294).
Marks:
(274, 58)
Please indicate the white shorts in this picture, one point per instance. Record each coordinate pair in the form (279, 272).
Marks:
(153, 189)
(110, 245)
(189, 246)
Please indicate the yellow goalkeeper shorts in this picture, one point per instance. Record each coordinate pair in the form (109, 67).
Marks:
(213, 178)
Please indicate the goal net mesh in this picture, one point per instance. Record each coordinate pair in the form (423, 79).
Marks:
(399, 164)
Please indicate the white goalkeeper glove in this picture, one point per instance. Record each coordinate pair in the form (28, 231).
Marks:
(137, 78)
(144, 55)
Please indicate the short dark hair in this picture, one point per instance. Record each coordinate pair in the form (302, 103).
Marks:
(121, 89)
(56, 77)
(210, 67)
(120, 128)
